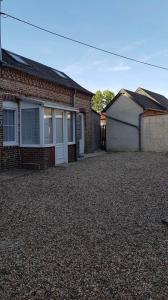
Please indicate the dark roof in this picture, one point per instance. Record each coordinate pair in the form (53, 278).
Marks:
(142, 100)
(39, 70)
(160, 98)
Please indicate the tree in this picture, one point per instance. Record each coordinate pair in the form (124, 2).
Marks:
(101, 99)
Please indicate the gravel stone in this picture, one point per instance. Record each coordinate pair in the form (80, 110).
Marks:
(92, 230)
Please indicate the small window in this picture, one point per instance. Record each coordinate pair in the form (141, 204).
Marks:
(9, 126)
(48, 126)
(60, 73)
(30, 126)
(18, 58)
(70, 127)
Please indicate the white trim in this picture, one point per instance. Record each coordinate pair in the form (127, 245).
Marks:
(73, 142)
(25, 106)
(52, 144)
(59, 106)
(10, 105)
(31, 100)
(41, 125)
(47, 103)
(30, 146)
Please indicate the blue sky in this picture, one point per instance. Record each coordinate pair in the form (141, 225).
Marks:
(129, 27)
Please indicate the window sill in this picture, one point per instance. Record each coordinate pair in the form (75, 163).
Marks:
(48, 145)
(10, 145)
(31, 146)
(71, 143)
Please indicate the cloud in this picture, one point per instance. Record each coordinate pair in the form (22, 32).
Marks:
(163, 53)
(132, 46)
(118, 68)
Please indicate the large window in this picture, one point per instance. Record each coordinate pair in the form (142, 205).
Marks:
(70, 127)
(30, 126)
(9, 126)
(48, 126)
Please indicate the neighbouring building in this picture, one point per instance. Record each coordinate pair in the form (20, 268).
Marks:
(124, 118)
(45, 116)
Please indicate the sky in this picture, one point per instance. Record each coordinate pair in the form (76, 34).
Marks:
(131, 28)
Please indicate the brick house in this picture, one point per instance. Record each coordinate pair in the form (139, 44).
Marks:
(45, 116)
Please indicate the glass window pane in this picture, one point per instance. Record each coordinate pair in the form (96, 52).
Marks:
(5, 133)
(11, 117)
(11, 133)
(70, 126)
(59, 127)
(30, 126)
(48, 126)
(5, 117)
(9, 125)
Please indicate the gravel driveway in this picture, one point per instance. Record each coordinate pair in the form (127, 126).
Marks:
(91, 230)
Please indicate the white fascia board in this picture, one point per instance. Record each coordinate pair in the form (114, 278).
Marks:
(59, 106)
(32, 100)
(48, 104)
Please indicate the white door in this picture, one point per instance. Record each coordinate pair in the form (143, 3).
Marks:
(61, 145)
(82, 135)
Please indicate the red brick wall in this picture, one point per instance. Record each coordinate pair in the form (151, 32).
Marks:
(71, 153)
(10, 157)
(41, 158)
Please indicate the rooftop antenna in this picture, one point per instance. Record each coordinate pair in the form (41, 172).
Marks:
(0, 32)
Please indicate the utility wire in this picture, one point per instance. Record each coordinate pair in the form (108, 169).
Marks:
(83, 43)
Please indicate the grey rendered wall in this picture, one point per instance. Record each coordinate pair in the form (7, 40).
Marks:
(95, 131)
(122, 137)
(154, 133)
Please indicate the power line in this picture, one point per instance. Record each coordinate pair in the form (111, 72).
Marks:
(83, 43)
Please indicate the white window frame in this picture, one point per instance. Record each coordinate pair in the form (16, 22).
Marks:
(10, 105)
(30, 105)
(73, 116)
(41, 105)
(53, 131)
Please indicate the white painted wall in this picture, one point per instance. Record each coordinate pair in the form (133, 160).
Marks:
(121, 137)
(154, 133)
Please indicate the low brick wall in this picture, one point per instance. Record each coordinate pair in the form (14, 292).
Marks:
(10, 157)
(71, 153)
(32, 158)
(38, 158)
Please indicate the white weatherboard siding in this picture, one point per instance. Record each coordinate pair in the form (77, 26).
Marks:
(122, 137)
(154, 133)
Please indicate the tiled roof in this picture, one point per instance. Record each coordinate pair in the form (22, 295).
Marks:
(143, 101)
(158, 97)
